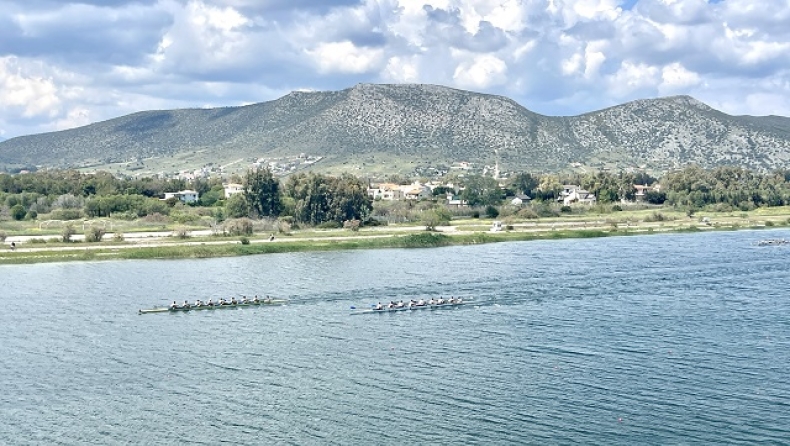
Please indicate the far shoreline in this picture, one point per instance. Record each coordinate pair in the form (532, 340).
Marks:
(412, 237)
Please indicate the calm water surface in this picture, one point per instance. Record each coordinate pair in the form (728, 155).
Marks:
(671, 339)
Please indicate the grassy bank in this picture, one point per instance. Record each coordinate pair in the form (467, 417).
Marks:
(464, 231)
(94, 252)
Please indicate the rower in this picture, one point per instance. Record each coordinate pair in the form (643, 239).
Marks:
(421, 303)
(222, 301)
(210, 302)
(244, 299)
(186, 305)
(174, 305)
(233, 300)
(268, 299)
(431, 302)
(198, 303)
(378, 307)
(256, 300)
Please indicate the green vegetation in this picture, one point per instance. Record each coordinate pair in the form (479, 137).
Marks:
(318, 212)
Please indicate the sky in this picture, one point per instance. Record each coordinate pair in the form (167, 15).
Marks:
(65, 64)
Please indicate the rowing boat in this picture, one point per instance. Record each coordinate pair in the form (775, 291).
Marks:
(411, 308)
(182, 309)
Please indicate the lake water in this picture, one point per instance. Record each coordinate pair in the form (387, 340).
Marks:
(666, 339)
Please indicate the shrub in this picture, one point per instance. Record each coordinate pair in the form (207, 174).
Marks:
(127, 215)
(117, 237)
(476, 214)
(353, 225)
(527, 213)
(566, 209)
(31, 215)
(66, 214)
(94, 234)
(181, 232)
(238, 226)
(3, 236)
(67, 232)
(544, 210)
(330, 225)
(41, 240)
(374, 222)
(18, 212)
(491, 212)
(155, 217)
(244, 241)
(617, 208)
(655, 216)
(183, 217)
(425, 239)
(284, 225)
(769, 223)
(431, 219)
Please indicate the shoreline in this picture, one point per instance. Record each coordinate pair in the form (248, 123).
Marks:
(409, 237)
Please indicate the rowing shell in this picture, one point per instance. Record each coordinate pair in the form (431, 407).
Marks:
(411, 308)
(212, 307)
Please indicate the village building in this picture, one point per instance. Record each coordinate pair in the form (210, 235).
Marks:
(232, 189)
(571, 194)
(521, 200)
(386, 191)
(184, 196)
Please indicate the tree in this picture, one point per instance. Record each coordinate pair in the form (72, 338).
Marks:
(349, 199)
(319, 198)
(236, 206)
(524, 183)
(18, 212)
(481, 191)
(262, 192)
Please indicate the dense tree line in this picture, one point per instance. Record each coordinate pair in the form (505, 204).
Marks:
(729, 187)
(308, 198)
(314, 199)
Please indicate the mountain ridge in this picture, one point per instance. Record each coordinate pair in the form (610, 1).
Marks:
(425, 124)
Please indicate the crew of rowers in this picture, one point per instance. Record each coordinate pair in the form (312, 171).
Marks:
(233, 301)
(418, 303)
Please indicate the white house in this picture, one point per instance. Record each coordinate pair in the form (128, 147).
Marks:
(386, 191)
(232, 189)
(416, 191)
(185, 196)
(455, 200)
(521, 200)
(580, 196)
(642, 191)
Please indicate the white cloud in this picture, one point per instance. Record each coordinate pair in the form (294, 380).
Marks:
(74, 118)
(676, 78)
(26, 90)
(481, 72)
(402, 70)
(633, 77)
(344, 57)
(66, 63)
(202, 37)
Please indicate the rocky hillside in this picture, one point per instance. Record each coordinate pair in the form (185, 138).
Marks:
(424, 123)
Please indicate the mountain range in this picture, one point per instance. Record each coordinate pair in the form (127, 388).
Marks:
(416, 124)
